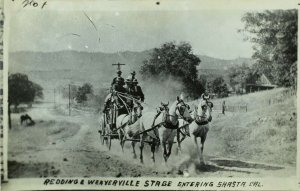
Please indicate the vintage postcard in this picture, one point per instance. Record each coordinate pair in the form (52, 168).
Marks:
(150, 95)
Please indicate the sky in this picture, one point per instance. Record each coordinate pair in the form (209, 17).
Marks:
(211, 33)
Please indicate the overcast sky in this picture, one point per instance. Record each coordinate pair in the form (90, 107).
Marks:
(211, 33)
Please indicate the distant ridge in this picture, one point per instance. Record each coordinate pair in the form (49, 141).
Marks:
(27, 60)
(96, 67)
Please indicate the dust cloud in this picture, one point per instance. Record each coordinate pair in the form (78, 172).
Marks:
(161, 89)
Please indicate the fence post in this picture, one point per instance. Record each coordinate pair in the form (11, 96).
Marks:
(246, 108)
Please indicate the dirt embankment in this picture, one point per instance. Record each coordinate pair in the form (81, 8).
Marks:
(264, 134)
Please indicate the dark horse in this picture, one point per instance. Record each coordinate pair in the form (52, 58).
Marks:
(27, 119)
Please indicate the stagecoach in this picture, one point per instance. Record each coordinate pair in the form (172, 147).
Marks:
(122, 119)
(108, 129)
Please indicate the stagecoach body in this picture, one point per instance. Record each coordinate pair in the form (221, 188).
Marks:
(108, 130)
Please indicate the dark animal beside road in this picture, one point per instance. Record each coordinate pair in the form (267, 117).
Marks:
(27, 119)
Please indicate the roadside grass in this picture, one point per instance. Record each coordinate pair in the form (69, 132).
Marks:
(266, 133)
(43, 133)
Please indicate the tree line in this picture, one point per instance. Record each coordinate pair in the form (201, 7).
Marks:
(274, 35)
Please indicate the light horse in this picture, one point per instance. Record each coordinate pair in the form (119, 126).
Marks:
(133, 133)
(130, 120)
(200, 126)
(161, 128)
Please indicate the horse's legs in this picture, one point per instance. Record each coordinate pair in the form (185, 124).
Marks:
(178, 142)
(153, 144)
(133, 149)
(141, 148)
(157, 144)
(202, 147)
(121, 141)
(122, 138)
(170, 144)
(164, 151)
(198, 149)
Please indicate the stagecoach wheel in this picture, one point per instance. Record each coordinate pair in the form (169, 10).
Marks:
(102, 134)
(107, 137)
(106, 140)
(109, 142)
(103, 138)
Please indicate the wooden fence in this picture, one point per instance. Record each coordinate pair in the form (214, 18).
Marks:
(282, 96)
(230, 108)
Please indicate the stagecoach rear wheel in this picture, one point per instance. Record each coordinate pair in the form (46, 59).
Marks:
(107, 137)
(100, 134)
(109, 142)
(102, 130)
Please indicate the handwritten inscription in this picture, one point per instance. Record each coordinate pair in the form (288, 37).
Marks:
(33, 3)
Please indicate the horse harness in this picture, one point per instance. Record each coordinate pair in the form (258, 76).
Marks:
(199, 119)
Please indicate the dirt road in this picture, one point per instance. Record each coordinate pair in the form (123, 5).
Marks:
(69, 146)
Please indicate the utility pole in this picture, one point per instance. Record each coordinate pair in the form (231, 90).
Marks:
(69, 99)
(118, 66)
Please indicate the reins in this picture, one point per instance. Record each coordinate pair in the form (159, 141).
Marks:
(128, 96)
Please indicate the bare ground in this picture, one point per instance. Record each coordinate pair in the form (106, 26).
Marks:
(69, 146)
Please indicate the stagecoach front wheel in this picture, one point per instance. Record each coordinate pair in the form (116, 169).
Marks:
(102, 134)
(101, 138)
(109, 142)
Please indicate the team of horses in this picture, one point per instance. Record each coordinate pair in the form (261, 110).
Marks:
(160, 128)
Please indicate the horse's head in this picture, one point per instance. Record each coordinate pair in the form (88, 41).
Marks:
(183, 110)
(204, 108)
(137, 109)
(164, 108)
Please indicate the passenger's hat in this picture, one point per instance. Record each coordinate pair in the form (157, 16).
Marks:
(128, 79)
(135, 81)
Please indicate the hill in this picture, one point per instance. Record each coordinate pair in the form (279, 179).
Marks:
(267, 132)
(221, 64)
(95, 67)
(213, 67)
(73, 66)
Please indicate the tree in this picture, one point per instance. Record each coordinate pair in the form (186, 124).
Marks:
(241, 75)
(219, 87)
(82, 92)
(274, 34)
(177, 61)
(22, 90)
